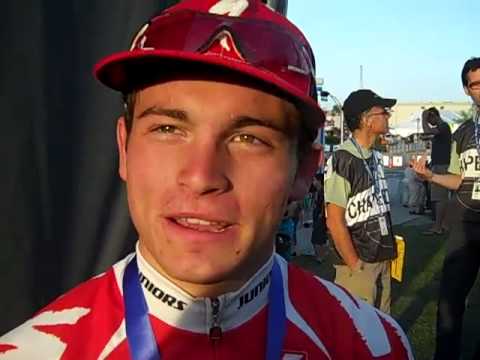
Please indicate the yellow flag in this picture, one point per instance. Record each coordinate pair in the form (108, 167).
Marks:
(397, 264)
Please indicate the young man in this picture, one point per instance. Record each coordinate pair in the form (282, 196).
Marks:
(217, 135)
(358, 210)
(441, 136)
(462, 260)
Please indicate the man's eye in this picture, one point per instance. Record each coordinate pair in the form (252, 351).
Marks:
(247, 138)
(166, 129)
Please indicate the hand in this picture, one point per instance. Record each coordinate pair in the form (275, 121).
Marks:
(357, 265)
(420, 168)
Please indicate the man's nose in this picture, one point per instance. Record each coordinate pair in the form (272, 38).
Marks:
(205, 169)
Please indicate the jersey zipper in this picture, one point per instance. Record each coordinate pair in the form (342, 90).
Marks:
(215, 333)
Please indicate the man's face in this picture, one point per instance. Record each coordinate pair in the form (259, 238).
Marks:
(208, 167)
(376, 119)
(473, 87)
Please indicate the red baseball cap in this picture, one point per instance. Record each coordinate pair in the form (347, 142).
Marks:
(244, 36)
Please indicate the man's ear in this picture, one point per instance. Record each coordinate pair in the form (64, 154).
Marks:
(307, 168)
(467, 90)
(365, 122)
(122, 139)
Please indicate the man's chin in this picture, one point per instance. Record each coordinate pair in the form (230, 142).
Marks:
(203, 278)
(206, 281)
(203, 270)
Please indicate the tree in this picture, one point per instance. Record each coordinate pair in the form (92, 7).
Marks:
(464, 116)
(336, 110)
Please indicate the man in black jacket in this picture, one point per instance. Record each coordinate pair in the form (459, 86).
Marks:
(441, 137)
(462, 260)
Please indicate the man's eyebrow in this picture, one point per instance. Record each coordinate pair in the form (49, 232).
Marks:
(244, 121)
(238, 123)
(159, 111)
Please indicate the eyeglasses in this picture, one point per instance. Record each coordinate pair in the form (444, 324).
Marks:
(386, 112)
(261, 43)
(474, 85)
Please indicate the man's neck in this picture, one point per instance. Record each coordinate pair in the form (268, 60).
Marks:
(196, 290)
(365, 138)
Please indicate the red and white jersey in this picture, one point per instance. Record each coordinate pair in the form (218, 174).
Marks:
(323, 321)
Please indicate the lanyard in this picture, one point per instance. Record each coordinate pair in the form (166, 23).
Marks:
(373, 174)
(476, 120)
(277, 319)
(139, 329)
(141, 339)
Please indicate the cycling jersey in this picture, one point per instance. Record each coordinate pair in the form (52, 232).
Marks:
(323, 321)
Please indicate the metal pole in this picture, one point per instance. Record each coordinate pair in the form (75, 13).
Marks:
(361, 76)
(341, 127)
(339, 104)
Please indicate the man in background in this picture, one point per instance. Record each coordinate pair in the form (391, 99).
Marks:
(441, 137)
(358, 210)
(462, 258)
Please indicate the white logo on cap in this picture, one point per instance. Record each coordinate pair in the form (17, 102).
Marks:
(224, 43)
(228, 48)
(140, 38)
(229, 7)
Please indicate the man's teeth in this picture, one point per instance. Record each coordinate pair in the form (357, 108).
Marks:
(199, 224)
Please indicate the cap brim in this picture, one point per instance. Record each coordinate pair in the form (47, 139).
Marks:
(386, 103)
(121, 71)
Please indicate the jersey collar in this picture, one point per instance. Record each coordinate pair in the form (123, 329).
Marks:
(177, 308)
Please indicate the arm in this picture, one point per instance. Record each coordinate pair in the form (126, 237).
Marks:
(340, 234)
(337, 190)
(450, 181)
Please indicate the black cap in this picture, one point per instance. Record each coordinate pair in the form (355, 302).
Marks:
(362, 100)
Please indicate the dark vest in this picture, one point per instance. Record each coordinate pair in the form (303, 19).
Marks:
(470, 168)
(364, 208)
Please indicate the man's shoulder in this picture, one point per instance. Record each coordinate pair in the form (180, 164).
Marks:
(340, 318)
(465, 127)
(93, 307)
(342, 159)
(96, 289)
(310, 289)
(444, 127)
(346, 149)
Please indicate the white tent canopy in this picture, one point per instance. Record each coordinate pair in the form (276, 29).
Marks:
(413, 124)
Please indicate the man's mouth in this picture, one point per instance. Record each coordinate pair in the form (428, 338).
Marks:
(201, 225)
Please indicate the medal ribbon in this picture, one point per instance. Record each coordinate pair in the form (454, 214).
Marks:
(476, 122)
(373, 174)
(141, 339)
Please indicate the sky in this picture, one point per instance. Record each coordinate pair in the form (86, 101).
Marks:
(412, 50)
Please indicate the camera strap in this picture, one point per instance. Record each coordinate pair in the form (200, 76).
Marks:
(476, 123)
(372, 173)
